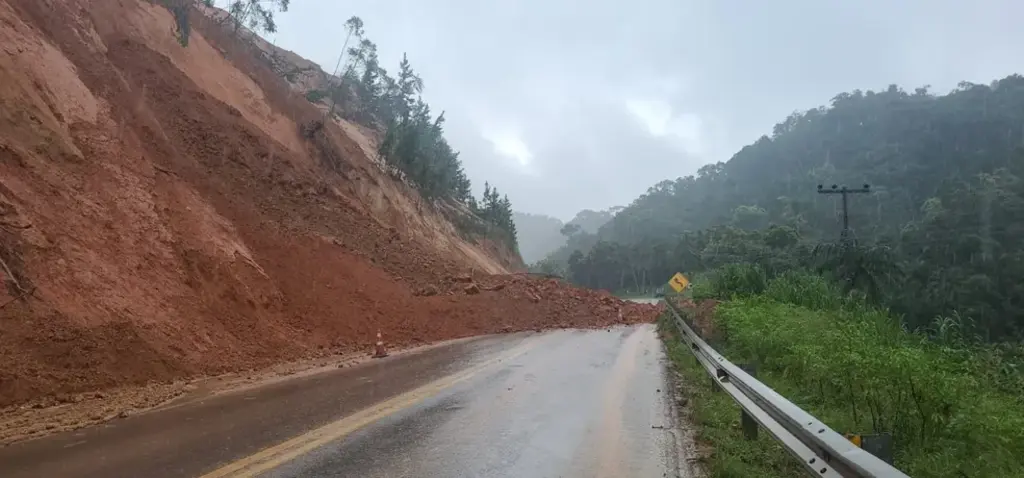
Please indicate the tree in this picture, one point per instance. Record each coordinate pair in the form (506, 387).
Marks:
(257, 15)
(183, 27)
(496, 210)
(181, 10)
(872, 270)
(750, 217)
(937, 237)
(354, 27)
(412, 144)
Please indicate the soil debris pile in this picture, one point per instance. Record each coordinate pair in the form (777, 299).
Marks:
(526, 302)
(701, 316)
(163, 217)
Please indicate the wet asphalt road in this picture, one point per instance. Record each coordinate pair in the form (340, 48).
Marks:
(558, 404)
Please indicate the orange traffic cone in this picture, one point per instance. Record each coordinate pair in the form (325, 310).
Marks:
(380, 351)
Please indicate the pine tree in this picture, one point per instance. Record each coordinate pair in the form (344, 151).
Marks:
(413, 141)
(255, 15)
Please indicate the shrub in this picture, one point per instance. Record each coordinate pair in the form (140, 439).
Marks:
(732, 280)
(807, 289)
(314, 96)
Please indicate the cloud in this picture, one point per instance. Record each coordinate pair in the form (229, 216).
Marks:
(661, 121)
(510, 146)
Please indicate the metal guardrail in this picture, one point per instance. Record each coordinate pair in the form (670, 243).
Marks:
(823, 451)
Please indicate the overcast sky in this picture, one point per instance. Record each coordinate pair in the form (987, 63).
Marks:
(573, 104)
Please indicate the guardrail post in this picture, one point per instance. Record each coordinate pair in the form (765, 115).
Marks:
(718, 375)
(878, 444)
(747, 422)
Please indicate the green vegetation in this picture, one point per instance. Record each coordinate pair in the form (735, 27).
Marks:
(544, 239)
(257, 15)
(954, 405)
(938, 236)
(578, 234)
(314, 96)
(181, 9)
(497, 211)
(413, 143)
(717, 421)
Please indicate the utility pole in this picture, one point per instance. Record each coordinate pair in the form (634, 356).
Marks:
(845, 191)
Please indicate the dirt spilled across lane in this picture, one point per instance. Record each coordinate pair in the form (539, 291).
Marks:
(504, 304)
(163, 219)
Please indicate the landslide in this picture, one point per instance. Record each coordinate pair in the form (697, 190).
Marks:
(163, 216)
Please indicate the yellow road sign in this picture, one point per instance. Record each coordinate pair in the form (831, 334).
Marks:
(679, 282)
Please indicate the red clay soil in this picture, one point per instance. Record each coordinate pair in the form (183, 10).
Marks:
(150, 230)
(702, 315)
(522, 302)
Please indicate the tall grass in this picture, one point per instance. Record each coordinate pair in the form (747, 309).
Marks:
(810, 290)
(715, 417)
(732, 280)
(863, 374)
(854, 367)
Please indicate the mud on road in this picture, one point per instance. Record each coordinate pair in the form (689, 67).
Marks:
(559, 403)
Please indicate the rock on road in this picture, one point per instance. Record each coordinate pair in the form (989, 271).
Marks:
(565, 403)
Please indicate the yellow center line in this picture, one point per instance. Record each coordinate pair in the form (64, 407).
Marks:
(277, 455)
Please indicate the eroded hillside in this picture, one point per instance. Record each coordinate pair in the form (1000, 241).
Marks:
(162, 215)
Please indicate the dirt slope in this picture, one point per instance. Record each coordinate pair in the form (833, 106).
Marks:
(161, 216)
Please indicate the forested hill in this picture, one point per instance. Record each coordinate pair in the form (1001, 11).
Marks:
(939, 234)
(540, 235)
